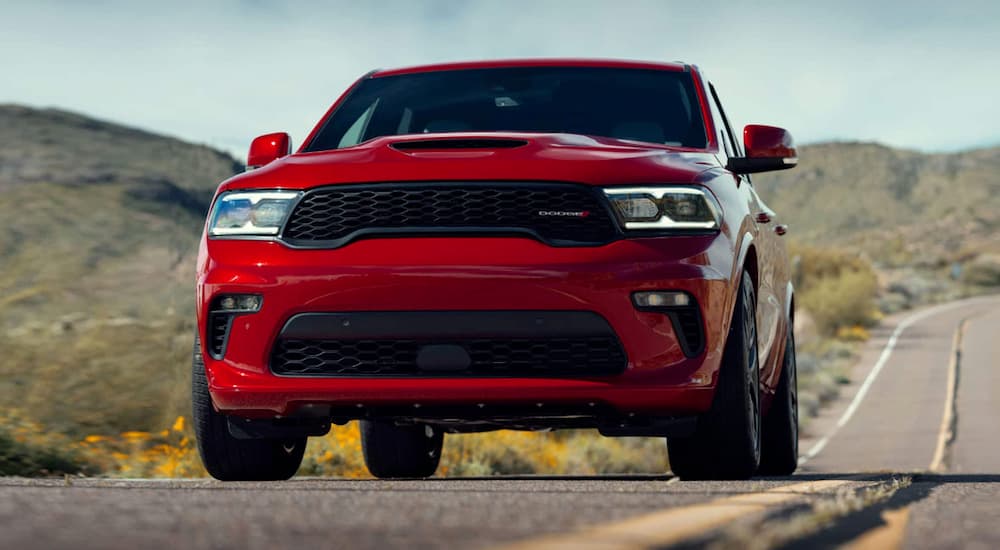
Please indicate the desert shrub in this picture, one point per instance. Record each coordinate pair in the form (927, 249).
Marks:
(853, 333)
(26, 449)
(29, 449)
(170, 452)
(823, 367)
(837, 288)
(983, 271)
(336, 454)
(109, 376)
(589, 452)
(579, 452)
(501, 453)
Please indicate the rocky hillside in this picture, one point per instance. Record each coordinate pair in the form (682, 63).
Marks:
(99, 228)
(901, 207)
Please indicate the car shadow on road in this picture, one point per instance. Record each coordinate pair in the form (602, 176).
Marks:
(938, 479)
(853, 525)
(850, 476)
(548, 477)
(643, 478)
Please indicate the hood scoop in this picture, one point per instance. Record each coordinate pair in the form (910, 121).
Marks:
(452, 144)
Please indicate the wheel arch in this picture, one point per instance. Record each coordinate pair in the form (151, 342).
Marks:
(746, 260)
(789, 319)
(790, 304)
(751, 266)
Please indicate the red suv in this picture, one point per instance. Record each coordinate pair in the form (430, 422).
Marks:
(529, 244)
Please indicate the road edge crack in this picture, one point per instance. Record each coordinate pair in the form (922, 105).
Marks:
(949, 421)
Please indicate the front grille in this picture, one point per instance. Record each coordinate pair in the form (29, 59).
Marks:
(504, 357)
(334, 216)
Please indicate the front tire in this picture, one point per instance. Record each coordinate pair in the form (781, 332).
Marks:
(727, 441)
(227, 458)
(393, 452)
(780, 450)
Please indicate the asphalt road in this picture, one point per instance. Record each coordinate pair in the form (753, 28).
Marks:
(908, 457)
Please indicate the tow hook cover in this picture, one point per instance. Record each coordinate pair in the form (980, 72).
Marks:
(443, 357)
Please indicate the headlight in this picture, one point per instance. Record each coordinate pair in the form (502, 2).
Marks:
(664, 207)
(251, 213)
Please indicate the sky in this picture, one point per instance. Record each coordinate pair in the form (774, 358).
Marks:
(915, 74)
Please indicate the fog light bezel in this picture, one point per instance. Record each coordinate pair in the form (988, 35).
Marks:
(674, 313)
(216, 311)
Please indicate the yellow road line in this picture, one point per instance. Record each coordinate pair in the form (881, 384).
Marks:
(884, 537)
(674, 525)
(945, 433)
(883, 358)
(890, 534)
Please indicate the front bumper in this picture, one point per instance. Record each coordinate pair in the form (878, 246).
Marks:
(473, 275)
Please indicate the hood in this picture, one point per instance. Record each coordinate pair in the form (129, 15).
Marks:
(482, 156)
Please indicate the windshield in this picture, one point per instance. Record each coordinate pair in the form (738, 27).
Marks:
(634, 104)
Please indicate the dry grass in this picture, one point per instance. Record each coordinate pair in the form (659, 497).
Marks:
(26, 449)
(501, 453)
(172, 452)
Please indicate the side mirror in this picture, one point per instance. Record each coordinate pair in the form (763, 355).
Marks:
(768, 148)
(267, 148)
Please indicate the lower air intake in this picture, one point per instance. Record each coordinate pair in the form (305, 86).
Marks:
(488, 357)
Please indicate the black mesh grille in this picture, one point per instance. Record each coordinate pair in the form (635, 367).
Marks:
(687, 321)
(334, 216)
(509, 357)
(218, 328)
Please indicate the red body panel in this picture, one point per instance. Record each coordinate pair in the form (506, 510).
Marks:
(535, 62)
(547, 157)
(268, 148)
(768, 141)
(501, 273)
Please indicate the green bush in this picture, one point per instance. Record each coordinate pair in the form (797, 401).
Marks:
(837, 288)
(983, 271)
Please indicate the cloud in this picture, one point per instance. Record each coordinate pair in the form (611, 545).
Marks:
(921, 76)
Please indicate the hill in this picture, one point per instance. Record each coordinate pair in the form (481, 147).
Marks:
(100, 225)
(902, 208)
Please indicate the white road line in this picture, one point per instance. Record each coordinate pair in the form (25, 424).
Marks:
(870, 379)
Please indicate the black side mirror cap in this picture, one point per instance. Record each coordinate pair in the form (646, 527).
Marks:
(754, 165)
